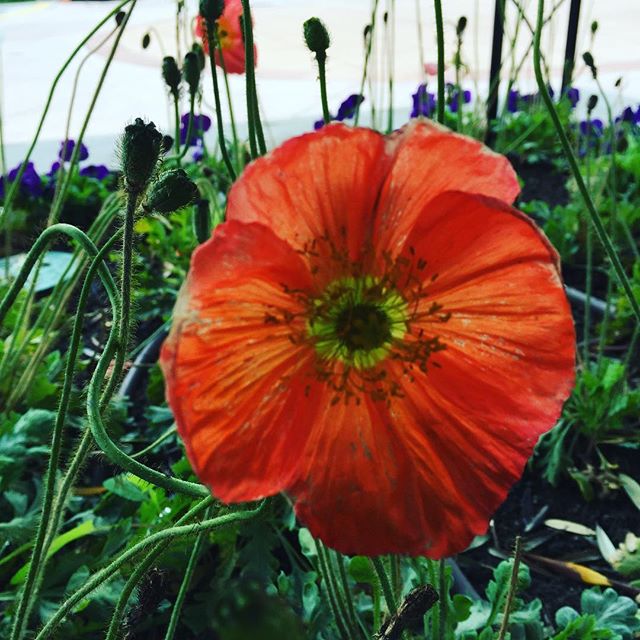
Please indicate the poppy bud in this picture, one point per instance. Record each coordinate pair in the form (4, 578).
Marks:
(191, 69)
(594, 27)
(167, 143)
(199, 51)
(588, 60)
(211, 10)
(146, 40)
(171, 74)
(592, 102)
(201, 221)
(172, 191)
(120, 17)
(316, 37)
(139, 151)
(462, 25)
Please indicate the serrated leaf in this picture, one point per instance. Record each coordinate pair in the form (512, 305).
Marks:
(613, 612)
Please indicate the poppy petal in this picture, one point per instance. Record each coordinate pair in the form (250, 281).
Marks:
(318, 185)
(428, 159)
(235, 381)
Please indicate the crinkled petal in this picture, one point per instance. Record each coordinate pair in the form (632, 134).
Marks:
(428, 159)
(322, 185)
(235, 381)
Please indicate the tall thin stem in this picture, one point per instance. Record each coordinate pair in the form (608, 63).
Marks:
(440, 39)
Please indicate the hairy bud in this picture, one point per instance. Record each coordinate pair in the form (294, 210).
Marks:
(172, 191)
(140, 149)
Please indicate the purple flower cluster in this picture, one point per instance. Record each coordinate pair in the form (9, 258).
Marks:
(454, 98)
(517, 101)
(30, 183)
(424, 102)
(630, 116)
(201, 123)
(67, 147)
(346, 110)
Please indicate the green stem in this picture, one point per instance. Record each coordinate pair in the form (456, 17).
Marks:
(56, 208)
(367, 56)
(232, 116)
(586, 332)
(391, 57)
(178, 531)
(444, 596)
(13, 187)
(39, 551)
(594, 216)
(513, 588)
(322, 76)
(127, 268)
(167, 434)
(390, 599)
(211, 39)
(440, 40)
(253, 115)
(184, 586)
(176, 121)
(351, 611)
(338, 615)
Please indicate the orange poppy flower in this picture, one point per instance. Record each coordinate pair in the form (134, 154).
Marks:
(230, 36)
(376, 332)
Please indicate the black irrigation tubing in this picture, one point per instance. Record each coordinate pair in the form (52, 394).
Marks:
(570, 49)
(494, 73)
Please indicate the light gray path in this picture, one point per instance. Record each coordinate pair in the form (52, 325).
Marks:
(36, 37)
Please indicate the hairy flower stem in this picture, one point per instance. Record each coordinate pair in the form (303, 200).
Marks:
(232, 117)
(184, 585)
(39, 551)
(444, 595)
(256, 136)
(176, 120)
(322, 77)
(367, 56)
(166, 535)
(513, 588)
(127, 268)
(603, 236)
(387, 590)
(440, 40)
(211, 39)
(354, 621)
(331, 587)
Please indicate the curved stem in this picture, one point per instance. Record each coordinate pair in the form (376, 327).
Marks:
(367, 56)
(39, 551)
(103, 575)
(440, 39)
(573, 164)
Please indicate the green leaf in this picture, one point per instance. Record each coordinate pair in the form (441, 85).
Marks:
(360, 570)
(122, 486)
(83, 529)
(613, 612)
(631, 487)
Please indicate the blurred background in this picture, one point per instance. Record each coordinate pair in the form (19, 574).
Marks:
(37, 37)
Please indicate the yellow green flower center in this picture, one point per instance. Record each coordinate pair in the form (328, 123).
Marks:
(357, 321)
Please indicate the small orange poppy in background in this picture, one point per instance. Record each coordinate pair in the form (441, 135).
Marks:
(230, 36)
(376, 332)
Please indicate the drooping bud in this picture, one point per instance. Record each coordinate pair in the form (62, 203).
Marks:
(167, 143)
(201, 221)
(172, 191)
(462, 25)
(120, 17)
(594, 27)
(146, 40)
(211, 10)
(316, 37)
(191, 69)
(199, 51)
(140, 150)
(588, 60)
(171, 74)
(592, 102)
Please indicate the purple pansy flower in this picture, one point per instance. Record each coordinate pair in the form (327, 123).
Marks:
(466, 99)
(424, 102)
(593, 127)
(573, 95)
(630, 116)
(66, 150)
(201, 123)
(31, 183)
(98, 171)
(349, 107)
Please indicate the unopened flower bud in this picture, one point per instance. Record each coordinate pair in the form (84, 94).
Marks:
(146, 40)
(167, 143)
(201, 221)
(594, 27)
(172, 191)
(120, 17)
(592, 102)
(140, 150)
(211, 10)
(191, 69)
(316, 37)
(462, 25)
(588, 60)
(199, 51)
(171, 74)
